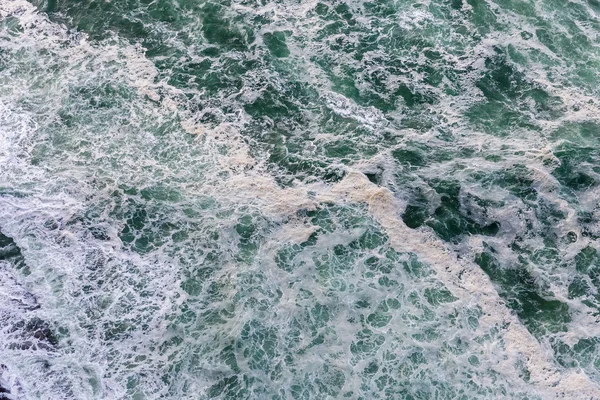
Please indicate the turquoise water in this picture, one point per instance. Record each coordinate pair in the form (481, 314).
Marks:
(299, 200)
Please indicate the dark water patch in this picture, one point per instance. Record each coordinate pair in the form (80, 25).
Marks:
(272, 103)
(276, 43)
(511, 98)
(217, 29)
(503, 81)
(577, 166)
(589, 224)
(41, 331)
(33, 334)
(411, 157)
(4, 390)
(536, 308)
(450, 220)
(415, 155)
(517, 179)
(8, 249)
(10, 252)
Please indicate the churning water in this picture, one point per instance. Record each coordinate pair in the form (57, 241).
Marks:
(323, 199)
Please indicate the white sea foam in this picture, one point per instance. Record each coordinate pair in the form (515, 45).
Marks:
(56, 280)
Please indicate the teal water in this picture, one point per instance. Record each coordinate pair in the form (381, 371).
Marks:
(299, 200)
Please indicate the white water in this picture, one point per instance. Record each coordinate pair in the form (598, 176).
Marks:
(120, 314)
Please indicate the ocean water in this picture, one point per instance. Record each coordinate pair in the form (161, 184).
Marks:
(333, 199)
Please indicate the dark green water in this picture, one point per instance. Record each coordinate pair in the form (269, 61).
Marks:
(299, 200)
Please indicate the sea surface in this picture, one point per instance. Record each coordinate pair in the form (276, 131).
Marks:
(332, 199)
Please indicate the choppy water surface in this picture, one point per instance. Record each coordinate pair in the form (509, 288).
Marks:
(246, 199)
